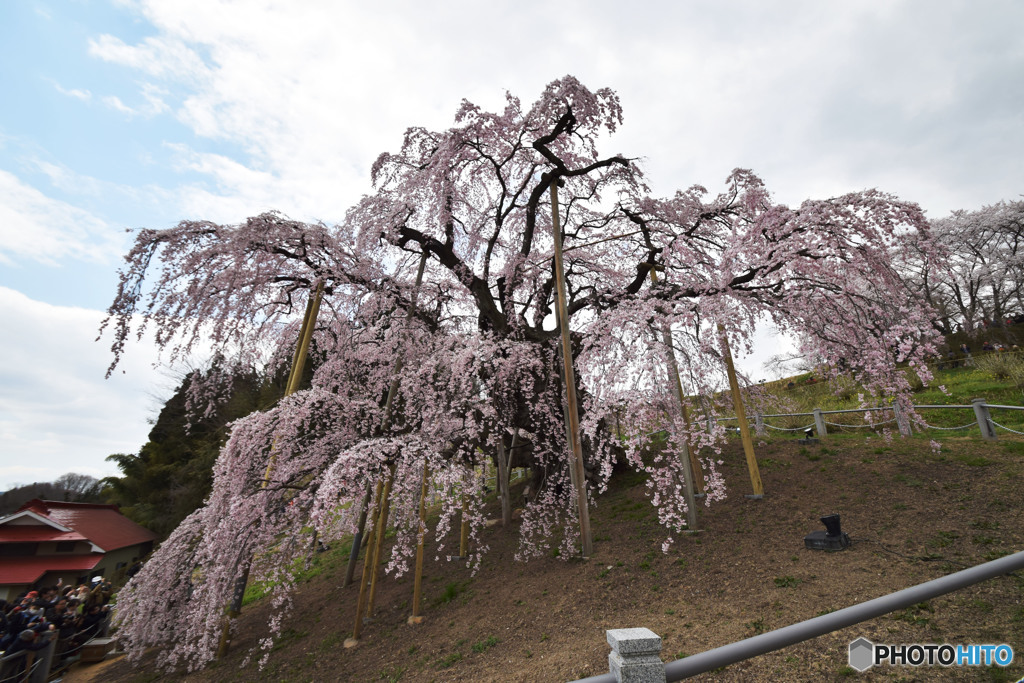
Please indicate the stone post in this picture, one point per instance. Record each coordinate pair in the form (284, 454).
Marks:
(819, 423)
(635, 655)
(759, 424)
(988, 430)
(901, 419)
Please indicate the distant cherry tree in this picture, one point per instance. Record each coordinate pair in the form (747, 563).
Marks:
(982, 282)
(471, 351)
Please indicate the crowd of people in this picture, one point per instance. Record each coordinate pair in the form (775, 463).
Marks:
(68, 614)
(962, 356)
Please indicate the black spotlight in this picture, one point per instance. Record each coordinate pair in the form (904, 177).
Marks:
(808, 433)
(833, 538)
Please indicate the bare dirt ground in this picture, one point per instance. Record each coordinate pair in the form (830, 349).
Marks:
(913, 515)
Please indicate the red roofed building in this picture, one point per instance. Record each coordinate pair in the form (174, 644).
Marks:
(47, 540)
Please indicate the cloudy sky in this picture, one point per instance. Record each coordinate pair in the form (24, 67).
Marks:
(119, 114)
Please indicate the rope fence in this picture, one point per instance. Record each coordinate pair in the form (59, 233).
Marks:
(951, 429)
(873, 424)
(788, 429)
(982, 413)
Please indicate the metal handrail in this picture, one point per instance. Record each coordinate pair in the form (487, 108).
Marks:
(6, 661)
(819, 626)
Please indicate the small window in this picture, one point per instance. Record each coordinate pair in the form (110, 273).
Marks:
(65, 546)
(18, 549)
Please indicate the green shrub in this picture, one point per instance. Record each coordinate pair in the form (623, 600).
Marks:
(1003, 367)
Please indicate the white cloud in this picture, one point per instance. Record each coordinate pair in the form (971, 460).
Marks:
(115, 103)
(818, 98)
(66, 180)
(156, 56)
(77, 93)
(35, 227)
(57, 413)
(153, 104)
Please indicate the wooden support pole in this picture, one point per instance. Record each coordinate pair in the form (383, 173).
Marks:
(298, 361)
(572, 418)
(694, 460)
(464, 530)
(741, 417)
(357, 540)
(299, 345)
(306, 335)
(294, 379)
(503, 483)
(385, 424)
(688, 469)
(378, 550)
(417, 587)
(364, 580)
(232, 611)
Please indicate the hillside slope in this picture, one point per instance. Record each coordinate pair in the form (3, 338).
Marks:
(914, 515)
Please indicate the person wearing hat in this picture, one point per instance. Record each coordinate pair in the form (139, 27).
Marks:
(99, 595)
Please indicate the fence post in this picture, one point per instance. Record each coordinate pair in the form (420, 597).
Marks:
(635, 655)
(819, 423)
(44, 659)
(988, 431)
(759, 424)
(901, 419)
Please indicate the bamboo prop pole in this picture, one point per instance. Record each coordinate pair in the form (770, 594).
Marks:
(298, 343)
(503, 493)
(299, 361)
(688, 469)
(357, 539)
(373, 550)
(464, 531)
(234, 608)
(417, 590)
(741, 417)
(572, 418)
(504, 465)
(385, 423)
(382, 527)
(694, 460)
(364, 580)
